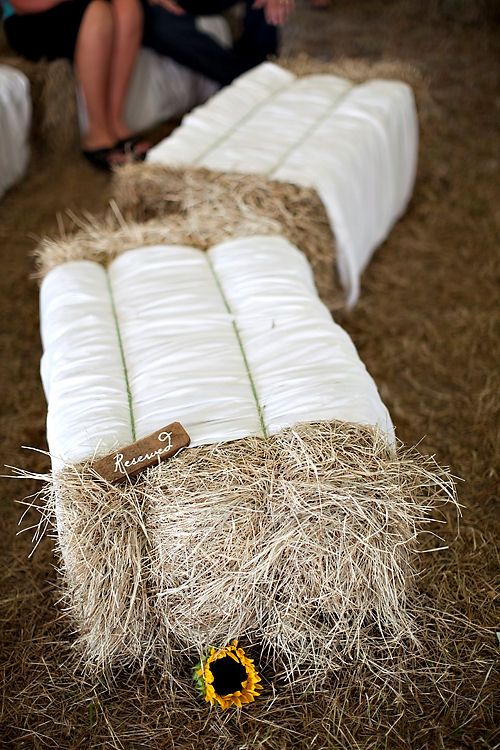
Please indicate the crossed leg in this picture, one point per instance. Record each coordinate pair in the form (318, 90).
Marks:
(176, 36)
(107, 45)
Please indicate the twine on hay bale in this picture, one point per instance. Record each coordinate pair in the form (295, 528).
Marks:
(299, 544)
(205, 219)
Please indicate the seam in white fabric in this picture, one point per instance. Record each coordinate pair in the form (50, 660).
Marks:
(225, 136)
(303, 138)
(260, 410)
(122, 357)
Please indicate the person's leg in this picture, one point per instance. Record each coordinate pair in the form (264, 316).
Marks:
(177, 37)
(127, 36)
(92, 65)
(260, 39)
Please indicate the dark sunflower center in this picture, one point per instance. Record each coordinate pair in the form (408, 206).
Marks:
(228, 675)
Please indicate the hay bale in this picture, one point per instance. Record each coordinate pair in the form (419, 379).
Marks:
(359, 70)
(15, 121)
(300, 545)
(378, 146)
(299, 542)
(55, 122)
(204, 207)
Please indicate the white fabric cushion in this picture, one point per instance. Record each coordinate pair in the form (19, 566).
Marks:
(187, 328)
(161, 89)
(15, 124)
(357, 145)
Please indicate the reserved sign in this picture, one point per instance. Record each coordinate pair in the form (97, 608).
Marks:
(129, 461)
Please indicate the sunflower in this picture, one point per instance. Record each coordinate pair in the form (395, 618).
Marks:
(227, 677)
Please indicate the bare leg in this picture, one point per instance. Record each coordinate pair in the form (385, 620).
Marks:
(128, 28)
(92, 63)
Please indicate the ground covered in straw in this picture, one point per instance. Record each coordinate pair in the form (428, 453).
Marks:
(425, 327)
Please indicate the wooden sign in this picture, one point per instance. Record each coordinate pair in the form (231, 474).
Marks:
(149, 451)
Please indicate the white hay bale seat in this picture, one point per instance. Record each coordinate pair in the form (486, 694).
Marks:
(289, 520)
(355, 144)
(217, 304)
(15, 125)
(161, 89)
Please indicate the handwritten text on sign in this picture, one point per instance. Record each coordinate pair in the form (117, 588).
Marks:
(149, 451)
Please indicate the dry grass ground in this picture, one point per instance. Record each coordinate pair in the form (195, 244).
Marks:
(427, 328)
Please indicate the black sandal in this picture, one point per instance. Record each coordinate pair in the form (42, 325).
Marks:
(128, 147)
(101, 157)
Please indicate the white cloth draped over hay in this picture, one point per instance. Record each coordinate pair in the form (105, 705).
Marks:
(161, 89)
(178, 319)
(299, 541)
(355, 144)
(15, 124)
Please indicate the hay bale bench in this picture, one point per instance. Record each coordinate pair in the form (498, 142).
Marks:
(15, 123)
(354, 144)
(290, 519)
(160, 89)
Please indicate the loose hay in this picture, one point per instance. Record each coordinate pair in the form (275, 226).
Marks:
(357, 70)
(300, 544)
(204, 223)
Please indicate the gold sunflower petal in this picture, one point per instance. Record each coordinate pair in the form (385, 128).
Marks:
(249, 688)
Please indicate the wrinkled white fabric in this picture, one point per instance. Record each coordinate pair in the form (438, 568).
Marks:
(184, 357)
(231, 343)
(161, 89)
(82, 371)
(304, 365)
(15, 124)
(357, 145)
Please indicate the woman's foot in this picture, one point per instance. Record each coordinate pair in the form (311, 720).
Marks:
(106, 151)
(105, 158)
(100, 149)
(132, 146)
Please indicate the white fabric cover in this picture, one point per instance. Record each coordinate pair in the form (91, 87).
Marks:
(191, 325)
(15, 124)
(161, 89)
(357, 145)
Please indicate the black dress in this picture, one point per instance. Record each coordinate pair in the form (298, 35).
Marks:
(51, 34)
